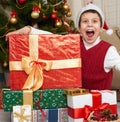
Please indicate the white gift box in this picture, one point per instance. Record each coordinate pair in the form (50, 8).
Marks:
(22, 113)
(95, 98)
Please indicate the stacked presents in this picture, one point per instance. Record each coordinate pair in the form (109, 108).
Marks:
(45, 81)
(41, 66)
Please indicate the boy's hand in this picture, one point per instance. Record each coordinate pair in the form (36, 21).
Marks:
(24, 30)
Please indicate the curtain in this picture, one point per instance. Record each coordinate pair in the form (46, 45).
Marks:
(111, 9)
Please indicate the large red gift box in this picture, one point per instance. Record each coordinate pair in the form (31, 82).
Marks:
(44, 61)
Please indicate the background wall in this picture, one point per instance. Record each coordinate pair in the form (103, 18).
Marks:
(75, 6)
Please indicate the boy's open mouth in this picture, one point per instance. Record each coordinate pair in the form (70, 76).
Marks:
(90, 33)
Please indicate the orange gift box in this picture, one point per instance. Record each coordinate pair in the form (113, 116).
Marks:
(44, 61)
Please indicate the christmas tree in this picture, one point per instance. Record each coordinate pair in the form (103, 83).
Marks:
(49, 15)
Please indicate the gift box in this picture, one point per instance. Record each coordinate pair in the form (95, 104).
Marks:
(49, 115)
(22, 113)
(44, 61)
(1, 99)
(42, 99)
(80, 106)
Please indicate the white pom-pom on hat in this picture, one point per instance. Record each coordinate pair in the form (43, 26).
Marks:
(108, 30)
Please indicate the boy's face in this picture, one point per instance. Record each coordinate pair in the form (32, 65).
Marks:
(90, 26)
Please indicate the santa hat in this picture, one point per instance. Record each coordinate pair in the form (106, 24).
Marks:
(91, 6)
(108, 30)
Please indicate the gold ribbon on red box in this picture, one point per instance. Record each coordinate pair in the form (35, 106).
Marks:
(34, 66)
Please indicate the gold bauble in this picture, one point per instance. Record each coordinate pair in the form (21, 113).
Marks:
(69, 14)
(66, 7)
(35, 15)
(58, 23)
(13, 20)
(5, 64)
(39, 6)
(54, 11)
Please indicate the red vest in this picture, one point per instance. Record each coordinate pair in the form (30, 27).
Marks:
(93, 74)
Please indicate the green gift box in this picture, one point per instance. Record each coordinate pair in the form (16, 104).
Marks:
(51, 98)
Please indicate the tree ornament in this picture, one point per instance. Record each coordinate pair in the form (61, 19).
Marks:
(66, 7)
(13, 19)
(69, 14)
(44, 16)
(58, 23)
(5, 64)
(21, 2)
(54, 11)
(53, 15)
(35, 12)
(70, 31)
(39, 6)
(35, 15)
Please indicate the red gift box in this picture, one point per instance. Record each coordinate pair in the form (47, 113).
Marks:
(1, 99)
(44, 61)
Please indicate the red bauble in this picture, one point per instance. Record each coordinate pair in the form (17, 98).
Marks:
(53, 15)
(70, 31)
(44, 16)
(21, 1)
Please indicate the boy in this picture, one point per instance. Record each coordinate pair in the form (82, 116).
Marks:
(98, 57)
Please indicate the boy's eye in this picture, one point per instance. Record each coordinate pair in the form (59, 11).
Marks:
(84, 21)
(95, 21)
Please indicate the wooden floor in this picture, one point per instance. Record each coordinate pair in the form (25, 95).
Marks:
(5, 116)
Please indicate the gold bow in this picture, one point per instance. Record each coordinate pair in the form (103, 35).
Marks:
(34, 68)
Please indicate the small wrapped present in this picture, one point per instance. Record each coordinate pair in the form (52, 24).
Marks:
(45, 99)
(76, 91)
(1, 99)
(22, 113)
(49, 115)
(1, 96)
(79, 105)
(47, 61)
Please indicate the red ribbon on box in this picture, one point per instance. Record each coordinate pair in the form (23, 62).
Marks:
(89, 109)
(77, 113)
